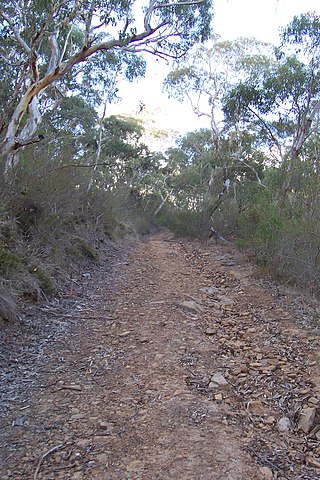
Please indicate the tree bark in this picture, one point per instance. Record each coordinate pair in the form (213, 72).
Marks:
(12, 140)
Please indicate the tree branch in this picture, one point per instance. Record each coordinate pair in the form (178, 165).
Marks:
(19, 39)
(178, 4)
(268, 129)
(54, 58)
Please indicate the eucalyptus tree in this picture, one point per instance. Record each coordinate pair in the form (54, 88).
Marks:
(49, 47)
(127, 159)
(282, 99)
(204, 78)
(208, 73)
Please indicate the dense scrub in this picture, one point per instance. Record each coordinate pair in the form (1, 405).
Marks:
(53, 226)
(284, 240)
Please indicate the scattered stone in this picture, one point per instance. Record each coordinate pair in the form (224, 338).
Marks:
(178, 391)
(218, 397)
(265, 473)
(210, 290)
(78, 416)
(304, 391)
(72, 386)
(133, 465)
(144, 340)
(252, 330)
(284, 424)
(192, 306)
(313, 462)
(256, 407)
(255, 365)
(19, 421)
(269, 369)
(105, 425)
(125, 334)
(270, 420)
(103, 458)
(210, 331)
(306, 419)
(76, 476)
(313, 401)
(217, 380)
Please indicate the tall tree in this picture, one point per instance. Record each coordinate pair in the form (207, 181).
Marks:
(48, 44)
(206, 75)
(204, 78)
(283, 98)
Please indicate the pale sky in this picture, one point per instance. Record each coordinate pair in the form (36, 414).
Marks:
(232, 19)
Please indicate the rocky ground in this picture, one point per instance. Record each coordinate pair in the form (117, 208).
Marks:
(173, 361)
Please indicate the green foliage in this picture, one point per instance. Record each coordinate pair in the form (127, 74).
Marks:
(83, 49)
(45, 280)
(8, 261)
(281, 101)
(79, 248)
(184, 223)
(304, 30)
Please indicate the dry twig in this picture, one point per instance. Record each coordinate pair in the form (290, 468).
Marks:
(44, 456)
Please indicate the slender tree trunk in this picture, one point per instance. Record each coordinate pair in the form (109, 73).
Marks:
(302, 135)
(162, 204)
(97, 158)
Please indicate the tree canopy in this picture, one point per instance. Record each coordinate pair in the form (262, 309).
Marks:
(50, 49)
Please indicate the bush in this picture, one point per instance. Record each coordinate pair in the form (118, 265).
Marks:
(298, 254)
(8, 261)
(184, 223)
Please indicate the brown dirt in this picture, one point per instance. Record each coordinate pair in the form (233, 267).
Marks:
(114, 380)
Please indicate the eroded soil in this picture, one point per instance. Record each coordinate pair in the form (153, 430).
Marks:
(176, 363)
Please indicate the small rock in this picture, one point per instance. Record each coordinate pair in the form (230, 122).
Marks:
(125, 334)
(304, 391)
(210, 290)
(178, 391)
(255, 365)
(103, 458)
(19, 421)
(313, 462)
(256, 407)
(313, 400)
(106, 427)
(284, 424)
(76, 475)
(192, 306)
(306, 419)
(71, 386)
(210, 331)
(78, 416)
(265, 473)
(270, 420)
(217, 380)
(252, 330)
(218, 397)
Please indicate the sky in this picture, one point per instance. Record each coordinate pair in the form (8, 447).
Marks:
(260, 19)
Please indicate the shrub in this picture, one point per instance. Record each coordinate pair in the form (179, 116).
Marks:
(8, 261)
(184, 223)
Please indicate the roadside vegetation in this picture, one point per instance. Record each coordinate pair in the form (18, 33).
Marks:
(74, 179)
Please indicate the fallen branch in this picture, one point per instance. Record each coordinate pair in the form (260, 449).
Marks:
(44, 456)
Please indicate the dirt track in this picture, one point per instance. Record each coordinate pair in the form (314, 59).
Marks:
(185, 367)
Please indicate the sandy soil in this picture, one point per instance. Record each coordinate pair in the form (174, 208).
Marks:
(174, 362)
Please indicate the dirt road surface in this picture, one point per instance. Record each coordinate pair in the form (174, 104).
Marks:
(174, 362)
